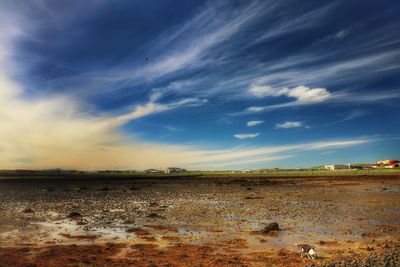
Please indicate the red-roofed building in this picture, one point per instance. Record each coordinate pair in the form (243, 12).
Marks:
(387, 164)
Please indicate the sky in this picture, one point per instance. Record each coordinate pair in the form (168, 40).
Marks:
(205, 85)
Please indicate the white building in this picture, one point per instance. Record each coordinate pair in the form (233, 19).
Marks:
(337, 167)
(174, 170)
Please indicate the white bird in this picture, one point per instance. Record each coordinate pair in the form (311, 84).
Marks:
(307, 250)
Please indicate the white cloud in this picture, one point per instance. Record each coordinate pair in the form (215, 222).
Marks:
(246, 136)
(289, 124)
(262, 91)
(302, 94)
(357, 113)
(308, 95)
(341, 34)
(255, 109)
(254, 123)
(340, 98)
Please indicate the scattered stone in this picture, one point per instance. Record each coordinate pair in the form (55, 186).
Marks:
(389, 258)
(28, 210)
(282, 252)
(271, 227)
(24, 250)
(82, 222)
(74, 215)
(250, 197)
(155, 216)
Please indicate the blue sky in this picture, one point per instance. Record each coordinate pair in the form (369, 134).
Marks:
(200, 84)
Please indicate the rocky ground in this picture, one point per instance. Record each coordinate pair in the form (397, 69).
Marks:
(389, 256)
(350, 221)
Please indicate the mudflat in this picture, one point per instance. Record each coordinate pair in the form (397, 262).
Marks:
(204, 221)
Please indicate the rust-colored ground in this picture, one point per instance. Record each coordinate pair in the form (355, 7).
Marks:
(116, 254)
(210, 222)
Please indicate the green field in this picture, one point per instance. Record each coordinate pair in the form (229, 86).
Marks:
(205, 174)
(293, 173)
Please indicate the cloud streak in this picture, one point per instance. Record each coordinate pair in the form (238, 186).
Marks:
(254, 123)
(246, 136)
(229, 157)
(289, 124)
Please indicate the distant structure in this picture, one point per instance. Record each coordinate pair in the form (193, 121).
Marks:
(386, 164)
(174, 170)
(153, 171)
(337, 167)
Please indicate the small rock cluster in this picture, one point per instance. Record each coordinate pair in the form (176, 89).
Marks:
(388, 258)
(270, 228)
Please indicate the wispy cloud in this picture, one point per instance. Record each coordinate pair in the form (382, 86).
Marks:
(357, 113)
(236, 157)
(296, 23)
(302, 94)
(320, 96)
(254, 123)
(354, 114)
(289, 124)
(301, 70)
(341, 34)
(255, 109)
(153, 107)
(180, 49)
(246, 136)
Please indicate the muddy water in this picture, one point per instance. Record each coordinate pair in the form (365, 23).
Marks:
(226, 214)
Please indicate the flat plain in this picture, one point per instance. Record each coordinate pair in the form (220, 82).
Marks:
(350, 220)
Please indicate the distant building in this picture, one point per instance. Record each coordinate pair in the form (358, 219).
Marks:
(357, 167)
(174, 170)
(387, 164)
(337, 167)
(153, 171)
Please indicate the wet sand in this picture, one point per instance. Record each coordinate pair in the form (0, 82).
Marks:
(199, 221)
